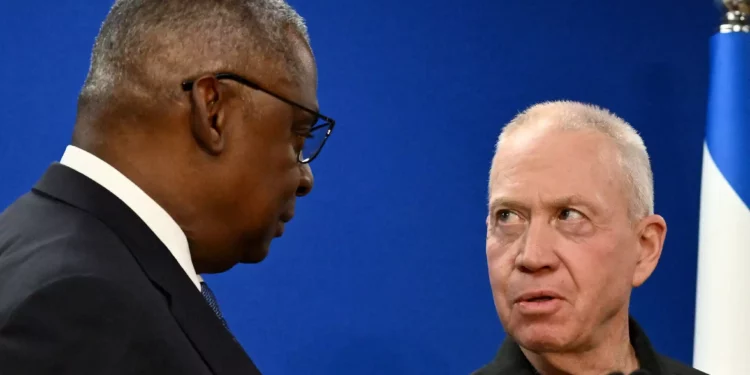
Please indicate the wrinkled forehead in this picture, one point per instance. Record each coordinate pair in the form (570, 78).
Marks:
(556, 163)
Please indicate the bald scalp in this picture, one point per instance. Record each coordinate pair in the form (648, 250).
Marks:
(146, 48)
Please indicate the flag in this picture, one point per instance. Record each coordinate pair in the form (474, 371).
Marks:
(722, 321)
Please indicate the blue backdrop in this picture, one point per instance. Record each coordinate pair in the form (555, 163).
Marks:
(383, 269)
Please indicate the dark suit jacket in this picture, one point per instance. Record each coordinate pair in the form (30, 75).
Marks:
(510, 360)
(87, 288)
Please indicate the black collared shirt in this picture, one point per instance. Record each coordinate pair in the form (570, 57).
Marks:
(510, 360)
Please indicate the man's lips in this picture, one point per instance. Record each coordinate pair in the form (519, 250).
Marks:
(539, 295)
(538, 303)
(285, 218)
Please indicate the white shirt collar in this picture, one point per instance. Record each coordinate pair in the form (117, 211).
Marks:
(163, 226)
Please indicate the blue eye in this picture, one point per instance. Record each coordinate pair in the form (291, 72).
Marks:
(505, 216)
(570, 214)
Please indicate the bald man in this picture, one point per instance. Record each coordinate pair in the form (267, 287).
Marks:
(195, 129)
(571, 230)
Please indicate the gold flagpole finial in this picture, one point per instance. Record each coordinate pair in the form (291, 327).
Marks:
(736, 16)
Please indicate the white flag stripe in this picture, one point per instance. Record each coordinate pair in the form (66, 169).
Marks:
(722, 328)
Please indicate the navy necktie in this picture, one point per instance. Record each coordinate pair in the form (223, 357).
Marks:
(211, 300)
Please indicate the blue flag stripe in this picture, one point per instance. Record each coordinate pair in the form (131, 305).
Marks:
(728, 122)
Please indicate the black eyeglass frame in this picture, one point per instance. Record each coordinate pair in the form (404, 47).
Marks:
(328, 122)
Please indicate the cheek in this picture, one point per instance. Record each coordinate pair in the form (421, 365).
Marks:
(599, 271)
(263, 179)
(275, 165)
(280, 177)
(497, 255)
(502, 247)
(500, 265)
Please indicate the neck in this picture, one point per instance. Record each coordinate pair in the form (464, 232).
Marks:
(146, 166)
(613, 353)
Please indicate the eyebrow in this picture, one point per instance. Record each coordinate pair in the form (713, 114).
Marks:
(566, 201)
(496, 203)
(309, 117)
(577, 200)
(303, 116)
(303, 123)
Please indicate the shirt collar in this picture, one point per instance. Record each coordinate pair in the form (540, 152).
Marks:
(155, 217)
(511, 360)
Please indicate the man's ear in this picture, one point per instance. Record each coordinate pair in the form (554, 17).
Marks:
(207, 123)
(652, 231)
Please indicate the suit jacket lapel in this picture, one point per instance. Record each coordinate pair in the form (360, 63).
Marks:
(216, 345)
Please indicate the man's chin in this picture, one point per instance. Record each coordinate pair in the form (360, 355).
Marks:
(541, 339)
(255, 254)
(540, 345)
(240, 252)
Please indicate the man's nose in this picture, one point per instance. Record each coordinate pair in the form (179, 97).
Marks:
(538, 248)
(306, 180)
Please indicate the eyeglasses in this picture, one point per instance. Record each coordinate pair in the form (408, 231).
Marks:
(320, 128)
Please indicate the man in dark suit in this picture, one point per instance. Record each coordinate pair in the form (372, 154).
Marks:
(571, 230)
(195, 128)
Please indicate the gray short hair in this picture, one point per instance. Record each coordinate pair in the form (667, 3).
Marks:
(632, 155)
(142, 42)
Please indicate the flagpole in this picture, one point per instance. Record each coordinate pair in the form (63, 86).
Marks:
(722, 313)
